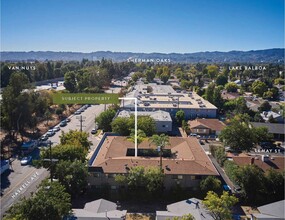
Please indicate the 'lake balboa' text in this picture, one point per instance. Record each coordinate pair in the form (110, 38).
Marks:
(247, 68)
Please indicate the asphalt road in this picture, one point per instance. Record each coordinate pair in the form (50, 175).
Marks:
(20, 181)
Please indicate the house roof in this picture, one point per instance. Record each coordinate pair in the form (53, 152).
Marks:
(274, 162)
(213, 124)
(275, 209)
(266, 115)
(273, 128)
(98, 210)
(100, 205)
(191, 206)
(190, 158)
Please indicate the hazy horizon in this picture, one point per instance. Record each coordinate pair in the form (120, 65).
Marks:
(139, 51)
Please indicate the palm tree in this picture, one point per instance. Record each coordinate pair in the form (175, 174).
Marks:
(141, 136)
(160, 141)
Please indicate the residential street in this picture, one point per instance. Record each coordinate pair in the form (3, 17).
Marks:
(20, 181)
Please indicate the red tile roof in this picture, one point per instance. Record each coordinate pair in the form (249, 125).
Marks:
(213, 124)
(274, 162)
(189, 157)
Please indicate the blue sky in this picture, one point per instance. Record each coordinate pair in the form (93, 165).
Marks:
(181, 26)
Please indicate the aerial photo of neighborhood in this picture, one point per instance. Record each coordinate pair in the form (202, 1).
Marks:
(142, 110)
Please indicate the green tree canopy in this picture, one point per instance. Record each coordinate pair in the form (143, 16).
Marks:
(66, 152)
(222, 80)
(238, 136)
(75, 138)
(211, 183)
(180, 116)
(259, 87)
(265, 106)
(51, 201)
(231, 87)
(70, 81)
(105, 118)
(150, 178)
(251, 179)
(220, 207)
(121, 126)
(72, 175)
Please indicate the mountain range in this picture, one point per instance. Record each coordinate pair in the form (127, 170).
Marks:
(275, 55)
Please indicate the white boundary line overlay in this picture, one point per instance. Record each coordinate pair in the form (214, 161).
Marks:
(136, 122)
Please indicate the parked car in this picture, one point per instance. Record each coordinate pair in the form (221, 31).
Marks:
(94, 131)
(4, 165)
(56, 128)
(227, 188)
(26, 160)
(77, 112)
(44, 137)
(63, 123)
(50, 132)
(67, 119)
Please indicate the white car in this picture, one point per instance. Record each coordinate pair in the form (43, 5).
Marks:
(26, 160)
(50, 132)
(56, 128)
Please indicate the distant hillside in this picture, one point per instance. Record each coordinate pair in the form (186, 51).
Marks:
(253, 56)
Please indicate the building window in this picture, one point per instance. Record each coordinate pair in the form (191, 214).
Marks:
(180, 177)
(193, 177)
(165, 126)
(174, 177)
(205, 130)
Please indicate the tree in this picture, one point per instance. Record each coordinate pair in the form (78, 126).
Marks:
(222, 80)
(72, 175)
(160, 141)
(51, 201)
(146, 124)
(185, 126)
(138, 177)
(265, 106)
(180, 116)
(47, 116)
(66, 152)
(135, 178)
(211, 183)
(274, 185)
(184, 217)
(212, 71)
(16, 106)
(259, 87)
(164, 77)
(121, 126)
(154, 179)
(220, 207)
(76, 138)
(251, 179)
(261, 134)
(150, 75)
(105, 118)
(231, 169)
(238, 136)
(231, 87)
(70, 81)
(141, 136)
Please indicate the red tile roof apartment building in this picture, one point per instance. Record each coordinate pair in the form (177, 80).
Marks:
(185, 165)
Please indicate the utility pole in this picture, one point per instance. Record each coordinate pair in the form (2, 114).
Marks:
(81, 120)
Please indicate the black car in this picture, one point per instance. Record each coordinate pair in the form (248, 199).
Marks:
(63, 123)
